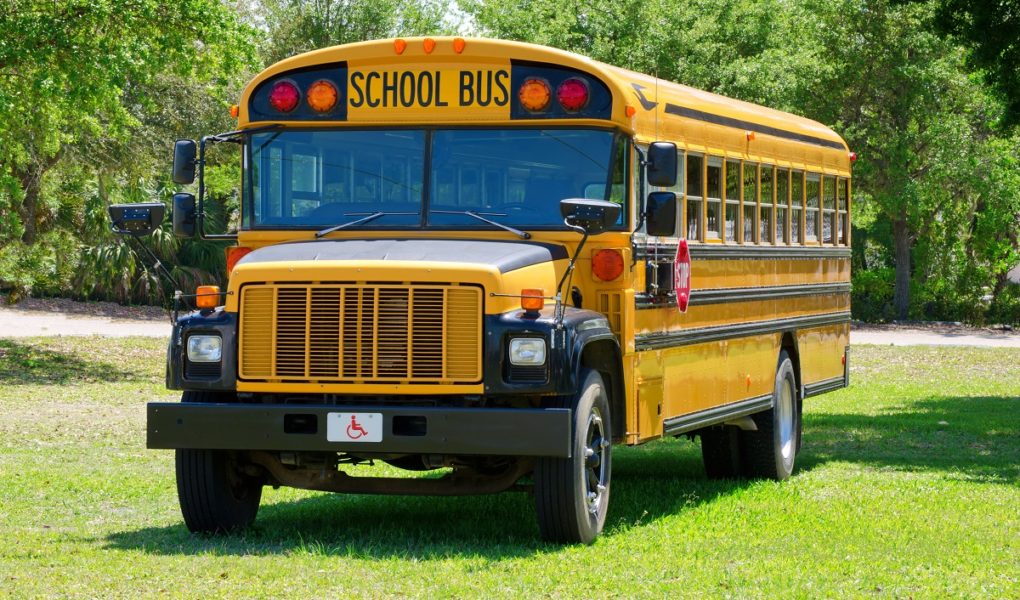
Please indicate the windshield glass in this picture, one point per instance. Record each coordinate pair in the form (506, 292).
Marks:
(318, 179)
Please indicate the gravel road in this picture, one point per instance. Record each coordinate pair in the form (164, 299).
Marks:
(50, 317)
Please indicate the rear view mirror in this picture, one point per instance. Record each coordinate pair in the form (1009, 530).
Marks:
(594, 216)
(660, 214)
(184, 161)
(136, 219)
(184, 215)
(662, 164)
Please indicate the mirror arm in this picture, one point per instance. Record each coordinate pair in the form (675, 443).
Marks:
(560, 307)
(643, 161)
(200, 165)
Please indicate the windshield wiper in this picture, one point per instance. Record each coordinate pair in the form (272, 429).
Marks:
(524, 235)
(361, 221)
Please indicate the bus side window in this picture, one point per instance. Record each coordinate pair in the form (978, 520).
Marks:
(842, 195)
(797, 213)
(782, 206)
(828, 209)
(813, 187)
(767, 204)
(713, 207)
(750, 202)
(695, 173)
(732, 199)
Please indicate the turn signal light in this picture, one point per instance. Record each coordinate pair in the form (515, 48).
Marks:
(572, 94)
(284, 96)
(532, 300)
(207, 296)
(534, 94)
(322, 96)
(234, 254)
(607, 264)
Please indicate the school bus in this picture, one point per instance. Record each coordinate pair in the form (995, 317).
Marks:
(501, 260)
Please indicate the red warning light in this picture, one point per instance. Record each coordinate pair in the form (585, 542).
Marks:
(284, 96)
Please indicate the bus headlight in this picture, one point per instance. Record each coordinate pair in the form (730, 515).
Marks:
(205, 348)
(527, 351)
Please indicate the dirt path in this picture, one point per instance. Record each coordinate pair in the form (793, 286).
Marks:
(46, 317)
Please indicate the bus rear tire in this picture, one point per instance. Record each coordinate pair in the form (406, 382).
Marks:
(215, 495)
(769, 452)
(720, 452)
(572, 494)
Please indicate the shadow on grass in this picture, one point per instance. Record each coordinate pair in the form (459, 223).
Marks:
(27, 364)
(976, 438)
(649, 483)
(972, 437)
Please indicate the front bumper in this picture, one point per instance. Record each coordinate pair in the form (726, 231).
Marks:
(406, 430)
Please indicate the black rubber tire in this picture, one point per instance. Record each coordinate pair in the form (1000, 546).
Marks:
(720, 452)
(562, 484)
(764, 454)
(215, 496)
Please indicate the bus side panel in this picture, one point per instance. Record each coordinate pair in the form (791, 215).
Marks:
(821, 352)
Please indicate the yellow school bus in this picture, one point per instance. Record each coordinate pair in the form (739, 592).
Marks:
(501, 260)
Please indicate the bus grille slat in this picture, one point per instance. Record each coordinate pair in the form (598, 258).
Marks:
(361, 333)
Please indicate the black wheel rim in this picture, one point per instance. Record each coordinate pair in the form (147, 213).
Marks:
(596, 462)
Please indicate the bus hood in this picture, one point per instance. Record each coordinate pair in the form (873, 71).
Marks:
(500, 267)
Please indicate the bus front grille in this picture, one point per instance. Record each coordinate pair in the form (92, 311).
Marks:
(361, 333)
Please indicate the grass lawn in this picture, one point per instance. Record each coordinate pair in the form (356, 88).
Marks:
(908, 485)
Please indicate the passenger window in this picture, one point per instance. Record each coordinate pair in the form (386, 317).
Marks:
(750, 203)
(828, 209)
(695, 174)
(767, 200)
(782, 205)
(732, 199)
(713, 211)
(813, 188)
(842, 198)
(797, 210)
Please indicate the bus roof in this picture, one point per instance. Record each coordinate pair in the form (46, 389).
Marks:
(649, 107)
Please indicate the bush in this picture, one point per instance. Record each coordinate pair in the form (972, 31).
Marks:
(871, 296)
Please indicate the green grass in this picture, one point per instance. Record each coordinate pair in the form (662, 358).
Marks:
(908, 485)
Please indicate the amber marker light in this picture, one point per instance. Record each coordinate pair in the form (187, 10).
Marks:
(429, 45)
(532, 300)
(399, 46)
(631, 111)
(607, 264)
(234, 111)
(534, 94)
(322, 96)
(234, 254)
(750, 135)
(207, 296)
(458, 45)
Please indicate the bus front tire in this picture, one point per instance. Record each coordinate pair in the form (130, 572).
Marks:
(572, 494)
(215, 495)
(769, 452)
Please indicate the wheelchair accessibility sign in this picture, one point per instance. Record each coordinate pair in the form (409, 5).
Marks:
(354, 427)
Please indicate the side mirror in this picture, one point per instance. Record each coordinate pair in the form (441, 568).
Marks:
(184, 215)
(662, 164)
(136, 219)
(660, 214)
(594, 216)
(184, 161)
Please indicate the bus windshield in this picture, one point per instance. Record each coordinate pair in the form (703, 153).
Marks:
(420, 178)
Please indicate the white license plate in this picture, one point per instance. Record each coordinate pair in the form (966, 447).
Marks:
(354, 427)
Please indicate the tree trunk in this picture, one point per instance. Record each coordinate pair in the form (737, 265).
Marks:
(30, 178)
(901, 244)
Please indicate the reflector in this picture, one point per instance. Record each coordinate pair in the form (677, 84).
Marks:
(234, 254)
(284, 96)
(607, 264)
